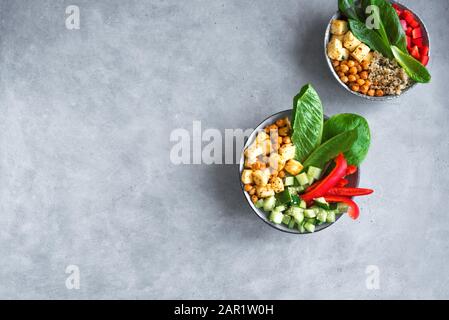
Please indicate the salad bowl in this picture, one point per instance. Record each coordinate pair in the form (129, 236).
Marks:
(328, 36)
(353, 179)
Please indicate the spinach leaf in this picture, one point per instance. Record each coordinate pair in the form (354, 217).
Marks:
(348, 9)
(413, 67)
(346, 122)
(307, 119)
(389, 24)
(331, 148)
(370, 38)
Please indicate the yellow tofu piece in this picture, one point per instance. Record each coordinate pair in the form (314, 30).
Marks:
(276, 162)
(333, 49)
(247, 176)
(338, 37)
(339, 27)
(253, 151)
(261, 137)
(287, 151)
(369, 57)
(293, 167)
(264, 191)
(350, 42)
(277, 184)
(260, 178)
(361, 52)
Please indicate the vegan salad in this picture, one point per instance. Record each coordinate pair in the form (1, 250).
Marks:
(383, 59)
(296, 168)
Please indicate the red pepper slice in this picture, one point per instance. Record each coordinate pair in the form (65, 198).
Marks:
(351, 170)
(343, 182)
(330, 181)
(353, 210)
(349, 192)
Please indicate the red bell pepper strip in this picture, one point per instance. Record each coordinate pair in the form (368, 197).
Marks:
(353, 209)
(343, 182)
(351, 169)
(330, 181)
(349, 192)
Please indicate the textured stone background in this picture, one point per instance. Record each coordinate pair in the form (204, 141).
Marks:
(85, 176)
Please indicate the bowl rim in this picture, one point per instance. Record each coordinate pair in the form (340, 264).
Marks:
(250, 139)
(327, 36)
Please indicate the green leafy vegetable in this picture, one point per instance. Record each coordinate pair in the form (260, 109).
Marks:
(307, 122)
(331, 148)
(389, 21)
(348, 9)
(370, 37)
(413, 67)
(345, 122)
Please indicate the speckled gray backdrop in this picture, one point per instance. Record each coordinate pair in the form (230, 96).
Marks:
(85, 176)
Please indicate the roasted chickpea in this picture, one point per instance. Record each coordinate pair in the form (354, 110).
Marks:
(379, 93)
(353, 70)
(286, 140)
(344, 79)
(271, 127)
(367, 82)
(254, 198)
(359, 68)
(335, 63)
(355, 87)
(363, 75)
(280, 139)
(248, 187)
(262, 166)
(371, 92)
(344, 69)
(360, 82)
(344, 63)
(352, 78)
(283, 132)
(252, 191)
(256, 165)
(341, 74)
(351, 63)
(281, 174)
(364, 89)
(280, 123)
(365, 65)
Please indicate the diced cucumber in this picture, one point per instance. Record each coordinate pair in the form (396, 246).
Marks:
(310, 220)
(259, 203)
(289, 181)
(330, 217)
(302, 179)
(286, 219)
(342, 207)
(314, 172)
(303, 204)
(309, 213)
(301, 228)
(321, 202)
(291, 225)
(322, 216)
(310, 178)
(297, 214)
(280, 208)
(276, 217)
(284, 197)
(309, 227)
(269, 203)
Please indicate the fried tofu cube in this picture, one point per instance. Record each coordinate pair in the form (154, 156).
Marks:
(260, 178)
(335, 50)
(369, 57)
(276, 162)
(293, 167)
(287, 151)
(247, 177)
(264, 191)
(350, 42)
(339, 27)
(361, 52)
(338, 37)
(253, 151)
(277, 184)
(261, 137)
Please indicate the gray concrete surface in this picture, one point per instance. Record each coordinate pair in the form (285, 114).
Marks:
(86, 178)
